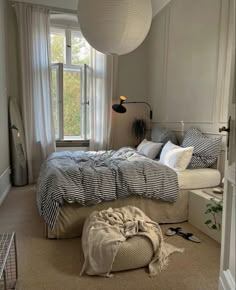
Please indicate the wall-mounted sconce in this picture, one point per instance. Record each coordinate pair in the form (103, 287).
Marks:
(120, 108)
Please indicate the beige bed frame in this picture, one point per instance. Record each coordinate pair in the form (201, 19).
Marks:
(72, 216)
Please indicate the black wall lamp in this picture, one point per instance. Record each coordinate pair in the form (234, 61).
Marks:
(120, 108)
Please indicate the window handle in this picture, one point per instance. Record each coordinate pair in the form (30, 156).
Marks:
(224, 129)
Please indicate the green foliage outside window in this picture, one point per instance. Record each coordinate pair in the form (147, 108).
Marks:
(72, 116)
(57, 48)
(79, 49)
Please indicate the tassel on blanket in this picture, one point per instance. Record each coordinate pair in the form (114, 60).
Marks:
(161, 262)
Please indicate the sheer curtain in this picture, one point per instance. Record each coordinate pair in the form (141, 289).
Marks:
(33, 30)
(103, 92)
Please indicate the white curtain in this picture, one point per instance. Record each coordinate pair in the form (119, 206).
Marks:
(33, 28)
(103, 93)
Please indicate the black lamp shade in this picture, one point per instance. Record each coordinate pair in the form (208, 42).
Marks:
(119, 108)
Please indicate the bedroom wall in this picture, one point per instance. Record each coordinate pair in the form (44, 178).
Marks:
(132, 83)
(186, 64)
(4, 147)
(132, 74)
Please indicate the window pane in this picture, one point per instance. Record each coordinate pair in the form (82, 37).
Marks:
(80, 49)
(71, 105)
(58, 38)
(55, 99)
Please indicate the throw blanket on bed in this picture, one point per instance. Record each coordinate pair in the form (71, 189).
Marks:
(92, 177)
(104, 232)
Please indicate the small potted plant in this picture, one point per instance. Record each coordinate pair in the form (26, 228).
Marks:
(213, 209)
(139, 129)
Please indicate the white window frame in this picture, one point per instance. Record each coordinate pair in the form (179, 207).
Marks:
(84, 100)
(59, 80)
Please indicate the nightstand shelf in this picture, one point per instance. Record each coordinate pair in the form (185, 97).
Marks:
(198, 199)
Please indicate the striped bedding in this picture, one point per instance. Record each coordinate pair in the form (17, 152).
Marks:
(89, 178)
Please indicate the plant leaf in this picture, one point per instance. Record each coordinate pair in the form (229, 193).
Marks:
(220, 207)
(208, 211)
(214, 227)
(214, 208)
(208, 222)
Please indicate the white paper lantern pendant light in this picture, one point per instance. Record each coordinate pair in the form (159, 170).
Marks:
(115, 26)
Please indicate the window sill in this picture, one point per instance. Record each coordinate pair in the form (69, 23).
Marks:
(72, 143)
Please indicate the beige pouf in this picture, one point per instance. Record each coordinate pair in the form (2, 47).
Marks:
(123, 239)
(135, 252)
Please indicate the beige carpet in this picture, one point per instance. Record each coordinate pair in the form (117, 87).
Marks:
(56, 264)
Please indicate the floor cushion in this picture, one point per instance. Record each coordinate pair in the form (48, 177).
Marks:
(135, 252)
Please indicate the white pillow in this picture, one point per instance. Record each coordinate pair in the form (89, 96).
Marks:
(141, 144)
(150, 149)
(168, 146)
(175, 156)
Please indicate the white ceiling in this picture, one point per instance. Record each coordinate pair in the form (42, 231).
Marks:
(157, 5)
(68, 4)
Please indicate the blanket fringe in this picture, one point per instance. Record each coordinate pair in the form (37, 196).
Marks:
(161, 262)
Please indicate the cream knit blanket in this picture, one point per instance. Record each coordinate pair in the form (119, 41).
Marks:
(104, 231)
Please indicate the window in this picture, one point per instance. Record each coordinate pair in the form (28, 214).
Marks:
(70, 55)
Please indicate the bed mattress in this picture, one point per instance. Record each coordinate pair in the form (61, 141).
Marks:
(199, 178)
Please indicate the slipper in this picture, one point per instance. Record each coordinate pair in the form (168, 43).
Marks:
(172, 231)
(189, 236)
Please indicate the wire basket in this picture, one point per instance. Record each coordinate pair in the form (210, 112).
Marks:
(8, 261)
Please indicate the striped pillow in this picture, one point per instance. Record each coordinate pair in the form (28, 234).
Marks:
(163, 135)
(206, 150)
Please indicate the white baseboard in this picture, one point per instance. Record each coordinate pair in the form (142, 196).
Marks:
(226, 281)
(5, 184)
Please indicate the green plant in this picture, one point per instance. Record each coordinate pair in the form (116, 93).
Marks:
(139, 129)
(213, 209)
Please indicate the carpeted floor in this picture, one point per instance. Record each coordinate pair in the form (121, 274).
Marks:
(56, 264)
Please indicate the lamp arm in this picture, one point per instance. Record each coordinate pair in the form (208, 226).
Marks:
(141, 103)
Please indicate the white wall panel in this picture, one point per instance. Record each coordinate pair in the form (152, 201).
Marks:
(192, 60)
(186, 56)
(156, 65)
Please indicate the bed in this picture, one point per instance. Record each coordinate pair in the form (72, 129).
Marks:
(73, 184)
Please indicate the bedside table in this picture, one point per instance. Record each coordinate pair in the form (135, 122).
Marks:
(198, 199)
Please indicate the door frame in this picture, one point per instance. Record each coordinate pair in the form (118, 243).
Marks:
(226, 279)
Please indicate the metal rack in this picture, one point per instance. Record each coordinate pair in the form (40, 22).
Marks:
(8, 261)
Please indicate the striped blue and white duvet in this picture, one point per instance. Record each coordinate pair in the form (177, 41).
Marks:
(89, 178)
